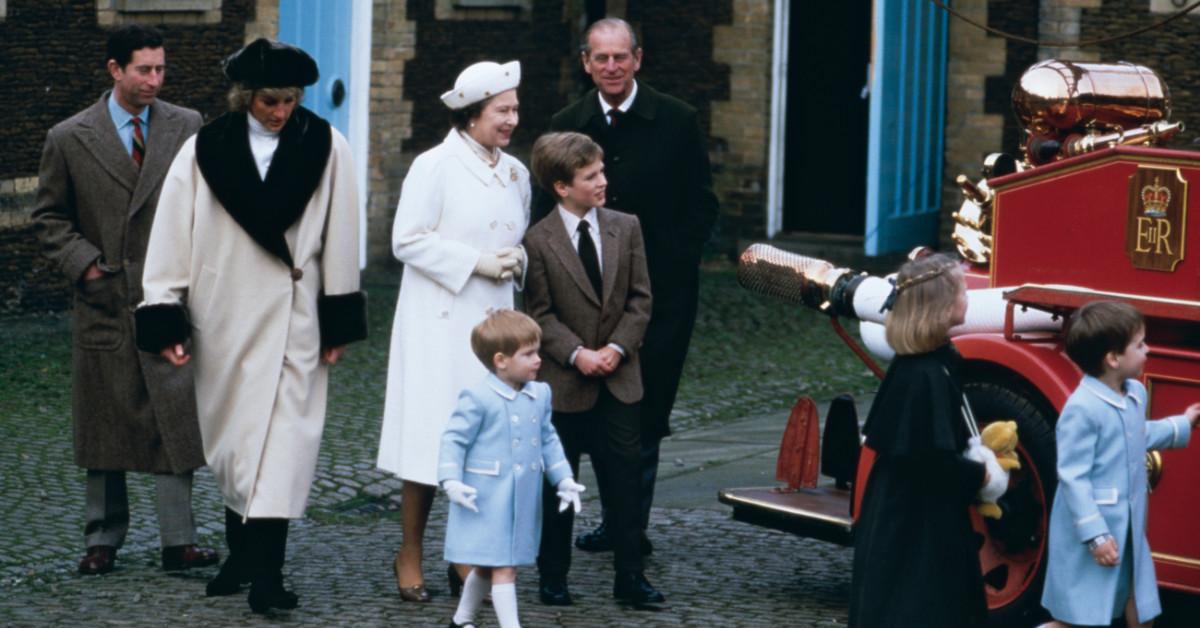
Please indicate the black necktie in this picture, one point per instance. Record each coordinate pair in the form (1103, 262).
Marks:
(614, 117)
(587, 254)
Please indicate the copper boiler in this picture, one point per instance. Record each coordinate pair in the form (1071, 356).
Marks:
(1055, 99)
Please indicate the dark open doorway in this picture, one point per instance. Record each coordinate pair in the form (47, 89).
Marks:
(825, 155)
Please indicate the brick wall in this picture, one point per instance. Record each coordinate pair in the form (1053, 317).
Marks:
(419, 47)
(972, 132)
(52, 66)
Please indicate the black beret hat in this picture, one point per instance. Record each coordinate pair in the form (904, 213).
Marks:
(266, 63)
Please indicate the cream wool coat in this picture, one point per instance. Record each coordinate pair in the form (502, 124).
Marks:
(453, 207)
(260, 386)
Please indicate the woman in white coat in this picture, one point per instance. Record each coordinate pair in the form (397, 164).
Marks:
(463, 210)
(252, 268)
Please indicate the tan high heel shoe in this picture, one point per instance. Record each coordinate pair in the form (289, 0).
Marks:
(415, 593)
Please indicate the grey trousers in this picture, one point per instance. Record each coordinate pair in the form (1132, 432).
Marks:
(106, 509)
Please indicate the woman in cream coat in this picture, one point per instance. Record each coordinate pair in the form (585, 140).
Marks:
(463, 210)
(254, 255)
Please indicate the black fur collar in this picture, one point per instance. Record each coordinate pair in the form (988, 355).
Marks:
(265, 209)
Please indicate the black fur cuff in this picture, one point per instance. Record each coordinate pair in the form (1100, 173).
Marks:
(160, 326)
(343, 318)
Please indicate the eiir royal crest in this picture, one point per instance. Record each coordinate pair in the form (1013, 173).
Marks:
(1157, 218)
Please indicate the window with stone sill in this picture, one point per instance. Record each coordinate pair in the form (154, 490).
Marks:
(483, 9)
(166, 6)
(114, 12)
(1171, 6)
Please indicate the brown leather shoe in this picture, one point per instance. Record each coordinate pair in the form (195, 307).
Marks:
(415, 593)
(180, 557)
(99, 559)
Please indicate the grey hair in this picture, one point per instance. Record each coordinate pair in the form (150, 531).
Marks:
(239, 96)
(605, 24)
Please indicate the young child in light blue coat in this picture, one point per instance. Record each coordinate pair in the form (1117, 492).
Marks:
(496, 447)
(1099, 561)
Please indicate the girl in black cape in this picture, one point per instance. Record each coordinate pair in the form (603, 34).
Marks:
(916, 560)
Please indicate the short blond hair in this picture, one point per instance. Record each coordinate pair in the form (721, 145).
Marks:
(926, 291)
(558, 156)
(503, 331)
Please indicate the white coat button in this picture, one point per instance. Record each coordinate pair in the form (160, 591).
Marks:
(533, 467)
(515, 418)
(516, 442)
(533, 419)
(517, 467)
(534, 441)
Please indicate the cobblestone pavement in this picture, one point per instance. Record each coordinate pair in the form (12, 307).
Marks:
(748, 356)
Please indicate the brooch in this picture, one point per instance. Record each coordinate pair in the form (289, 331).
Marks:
(512, 173)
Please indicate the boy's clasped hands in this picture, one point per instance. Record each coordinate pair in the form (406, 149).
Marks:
(464, 494)
(597, 363)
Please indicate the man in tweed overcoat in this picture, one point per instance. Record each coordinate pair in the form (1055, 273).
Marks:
(98, 185)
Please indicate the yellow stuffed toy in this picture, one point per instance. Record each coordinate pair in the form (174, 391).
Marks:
(1001, 438)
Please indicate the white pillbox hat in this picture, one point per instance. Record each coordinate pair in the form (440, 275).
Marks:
(482, 80)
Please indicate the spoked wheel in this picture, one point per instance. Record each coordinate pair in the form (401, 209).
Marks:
(1012, 551)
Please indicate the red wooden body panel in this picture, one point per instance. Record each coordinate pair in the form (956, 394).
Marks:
(1066, 224)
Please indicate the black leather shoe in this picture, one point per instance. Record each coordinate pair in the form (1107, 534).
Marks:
(264, 597)
(554, 593)
(633, 588)
(180, 557)
(466, 625)
(229, 580)
(99, 559)
(597, 540)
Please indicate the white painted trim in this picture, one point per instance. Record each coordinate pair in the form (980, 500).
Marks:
(776, 155)
(360, 111)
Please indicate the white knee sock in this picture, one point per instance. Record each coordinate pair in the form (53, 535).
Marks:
(474, 588)
(504, 602)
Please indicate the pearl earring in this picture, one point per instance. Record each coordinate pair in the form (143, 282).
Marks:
(472, 125)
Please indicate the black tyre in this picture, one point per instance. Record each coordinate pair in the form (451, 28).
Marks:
(1013, 549)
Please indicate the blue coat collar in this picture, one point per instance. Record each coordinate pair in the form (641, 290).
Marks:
(506, 391)
(1101, 390)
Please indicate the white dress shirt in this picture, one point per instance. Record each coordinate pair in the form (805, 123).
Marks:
(571, 222)
(623, 107)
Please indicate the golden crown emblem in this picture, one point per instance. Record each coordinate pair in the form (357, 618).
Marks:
(1155, 199)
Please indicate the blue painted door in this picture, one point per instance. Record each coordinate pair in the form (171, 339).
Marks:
(322, 29)
(906, 128)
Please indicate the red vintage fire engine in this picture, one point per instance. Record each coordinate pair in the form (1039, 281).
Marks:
(1092, 209)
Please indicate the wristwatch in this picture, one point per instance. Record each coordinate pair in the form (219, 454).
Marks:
(1095, 543)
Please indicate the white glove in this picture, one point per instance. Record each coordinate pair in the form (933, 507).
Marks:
(516, 253)
(568, 495)
(997, 476)
(460, 494)
(493, 266)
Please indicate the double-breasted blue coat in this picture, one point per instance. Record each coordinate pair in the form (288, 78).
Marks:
(1103, 437)
(500, 441)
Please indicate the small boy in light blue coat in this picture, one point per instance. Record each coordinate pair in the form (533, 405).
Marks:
(1100, 566)
(495, 448)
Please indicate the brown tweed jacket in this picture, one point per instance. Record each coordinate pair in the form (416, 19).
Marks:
(559, 296)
